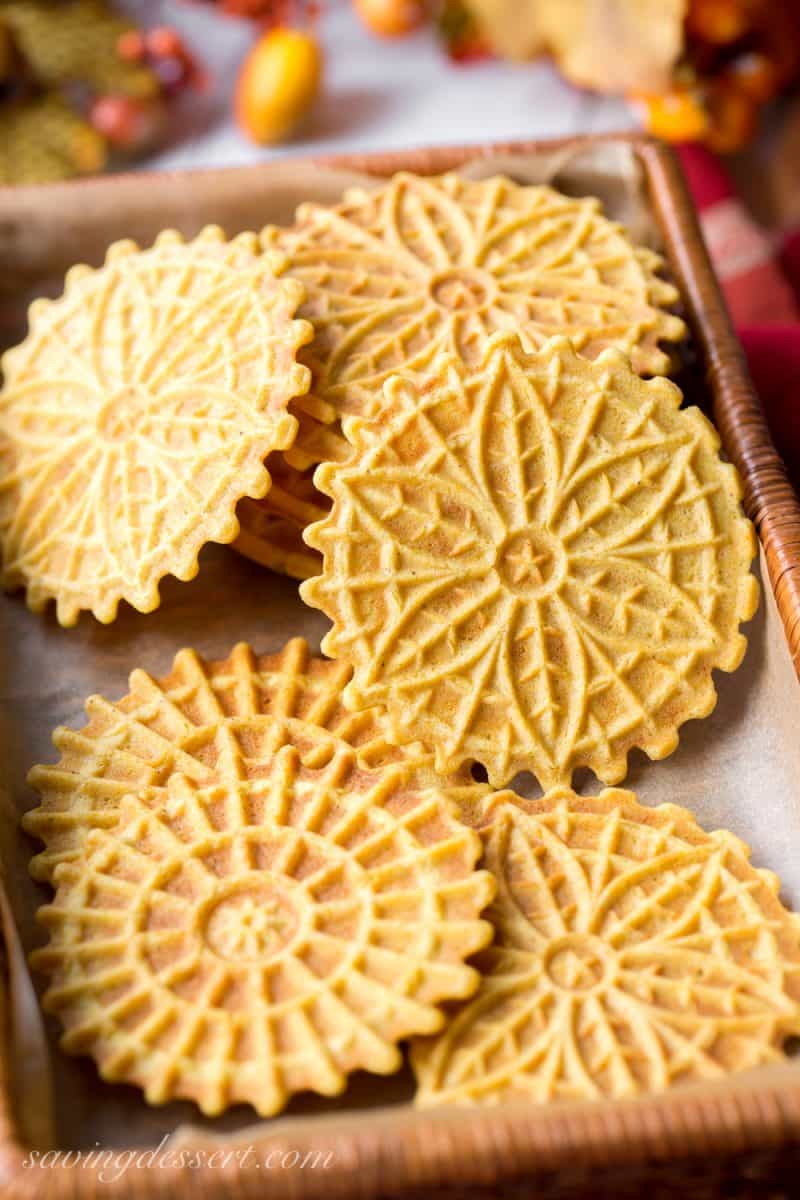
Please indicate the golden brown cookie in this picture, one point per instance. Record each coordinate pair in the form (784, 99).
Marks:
(274, 541)
(138, 412)
(536, 564)
(293, 493)
(207, 721)
(270, 934)
(316, 442)
(398, 275)
(271, 529)
(633, 951)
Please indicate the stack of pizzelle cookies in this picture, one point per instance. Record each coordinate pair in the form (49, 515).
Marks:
(443, 404)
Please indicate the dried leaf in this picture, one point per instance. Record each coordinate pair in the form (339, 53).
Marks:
(606, 45)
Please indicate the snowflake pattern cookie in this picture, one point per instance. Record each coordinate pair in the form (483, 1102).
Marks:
(268, 935)
(423, 266)
(138, 412)
(535, 565)
(633, 951)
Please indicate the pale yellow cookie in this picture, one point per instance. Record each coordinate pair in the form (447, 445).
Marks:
(633, 951)
(138, 412)
(535, 564)
(268, 935)
(206, 720)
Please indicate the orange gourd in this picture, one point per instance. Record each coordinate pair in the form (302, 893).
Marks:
(391, 18)
(277, 85)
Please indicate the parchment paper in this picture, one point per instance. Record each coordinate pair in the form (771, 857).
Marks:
(740, 768)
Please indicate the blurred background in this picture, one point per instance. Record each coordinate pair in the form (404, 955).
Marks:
(90, 86)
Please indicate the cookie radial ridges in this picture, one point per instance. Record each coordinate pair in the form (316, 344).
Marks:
(633, 951)
(138, 412)
(536, 564)
(253, 939)
(206, 720)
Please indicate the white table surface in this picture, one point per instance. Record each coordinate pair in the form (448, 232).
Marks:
(377, 94)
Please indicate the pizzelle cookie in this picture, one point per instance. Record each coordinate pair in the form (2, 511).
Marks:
(267, 935)
(398, 275)
(275, 542)
(138, 412)
(293, 493)
(317, 440)
(271, 529)
(207, 721)
(633, 951)
(535, 565)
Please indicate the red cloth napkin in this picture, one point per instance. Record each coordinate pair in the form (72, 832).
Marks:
(760, 275)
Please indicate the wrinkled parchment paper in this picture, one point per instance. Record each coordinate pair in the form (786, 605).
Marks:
(740, 768)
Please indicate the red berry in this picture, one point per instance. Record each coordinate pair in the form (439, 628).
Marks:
(127, 124)
(112, 116)
(164, 42)
(130, 46)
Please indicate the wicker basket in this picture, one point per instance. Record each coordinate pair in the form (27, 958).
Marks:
(739, 1138)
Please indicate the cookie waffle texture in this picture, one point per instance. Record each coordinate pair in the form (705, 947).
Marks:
(633, 951)
(398, 275)
(535, 564)
(206, 720)
(265, 936)
(138, 412)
